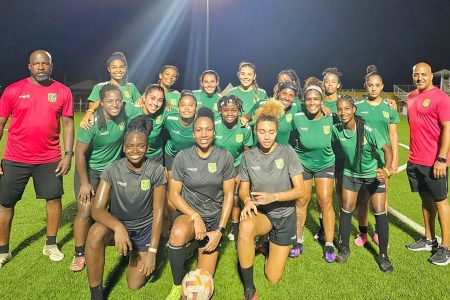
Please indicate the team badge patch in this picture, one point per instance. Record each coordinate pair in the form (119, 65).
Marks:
(159, 119)
(279, 163)
(126, 94)
(51, 97)
(173, 101)
(215, 106)
(122, 126)
(426, 102)
(239, 138)
(145, 184)
(289, 118)
(385, 114)
(364, 141)
(326, 129)
(212, 167)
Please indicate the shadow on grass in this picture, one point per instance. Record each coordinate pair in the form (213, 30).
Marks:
(67, 217)
(404, 227)
(115, 274)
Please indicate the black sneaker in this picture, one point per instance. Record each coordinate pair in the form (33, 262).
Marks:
(441, 257)
(343, 255)
(384, 263)
(423, 245)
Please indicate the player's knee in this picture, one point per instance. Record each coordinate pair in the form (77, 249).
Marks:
(84, 214)
(134, 285)
(272, 277)
(178, 236)
(246, 229)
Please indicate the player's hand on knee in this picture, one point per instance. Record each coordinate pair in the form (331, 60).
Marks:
(199, 228)
(214, 240)
(248, 210)
(148, 264)
(122, 240)
(86, 194)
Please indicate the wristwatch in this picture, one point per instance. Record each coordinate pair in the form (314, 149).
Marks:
(442, 160)
(221, 229)
(71, 153)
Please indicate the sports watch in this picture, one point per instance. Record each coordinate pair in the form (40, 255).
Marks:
(442, 160)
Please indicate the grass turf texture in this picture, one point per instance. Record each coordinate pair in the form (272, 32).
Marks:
(30, 275)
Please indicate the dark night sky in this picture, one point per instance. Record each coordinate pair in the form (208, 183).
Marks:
(307, 36)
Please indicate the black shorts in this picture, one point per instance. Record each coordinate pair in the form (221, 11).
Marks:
(284, 230)
(371, 184)
(140, 238)
(168, 161)
(421, 179)
(159, 158)
(15, 178)
(93, 177)
(324, 173)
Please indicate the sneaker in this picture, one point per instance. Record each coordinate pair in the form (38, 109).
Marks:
(441, 257)
(384, 263)
(376, 239)
(318, 237)
(343, 255)
(296, 250)
(78, 263)
(53, 252)
(231, 236)
(250, 294)
(4, 258)
(422, 245)
(175, 293)
(361, 239)
(328, 254)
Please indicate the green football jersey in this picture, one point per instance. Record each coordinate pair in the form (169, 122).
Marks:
(248, 100)
(331, 105)
(106, 144)
(129, 92)
(204, 100)
(233, 140)
(370, 158)
(314, 141)
(172, 97)
(180, 137)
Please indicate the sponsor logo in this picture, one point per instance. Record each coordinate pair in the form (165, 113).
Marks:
(219, 137)
(426, 102)
(212, 167)
(239, 138)
(176, 131)
(326, 129)
(145, 184)
(364, 112)
(289, 118)
(330, 173)
(279, 163)
(24, 96)
(386, 114)
(126, 94)
(175, 118)
(51, 97)
(124, 184)
(382, 186)
(122, 126)
(192, 169)
(104, 132)
(257, 168)
(304, 128)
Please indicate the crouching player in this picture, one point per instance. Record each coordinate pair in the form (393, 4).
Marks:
(134, 189)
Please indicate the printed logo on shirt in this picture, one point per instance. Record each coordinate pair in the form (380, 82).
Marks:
(219, 137)
(364, 141)
(176, 131)
(289, 118)
(304, 128)
(386, 114)
(215, 106)
(24, 96)
(364, 112)
(212, 167)
(426, 102)
(126, 94)
(279, 163)
(104, 132)
(51, 97)
(145, 184)
(192, 169)
(173, 101)
(239, 138)
(175, 118)
(122, 126)
(257, 168)
(124, 184)
(326, 129)
(159, 119)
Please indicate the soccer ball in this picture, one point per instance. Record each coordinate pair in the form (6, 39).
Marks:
(197, 285)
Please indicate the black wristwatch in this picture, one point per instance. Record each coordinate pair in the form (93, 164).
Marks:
(71, 153)
(442, 160)
(221, 229)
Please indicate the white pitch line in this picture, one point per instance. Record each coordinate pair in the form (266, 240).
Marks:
(419, 228)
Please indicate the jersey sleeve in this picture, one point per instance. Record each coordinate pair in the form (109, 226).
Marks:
(68, 104)
(394, 118)
(262, 94)
(94, 96)
(254, 108)
(86, 136)
(374, 138)
(228, 168)
(243, 169)
(295, 166)
(6, 102)
(443, 108)
(248, 137)
(106, 175)
(135, 95)
(178, 167)
(159, 177)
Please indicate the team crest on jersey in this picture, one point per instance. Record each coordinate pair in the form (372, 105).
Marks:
(51, 97)
(173, 101)
(326, 129)
(364, 141)
(239, 138)
(426, 102)
(212, 167)
(159, 119)
(126, 94)
(279, 163)
(122, 126)
(215, 106)
(145, 184)
(289, 118)
(385, 114)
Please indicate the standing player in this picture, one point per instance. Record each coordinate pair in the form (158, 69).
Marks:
(429, 122)
(377, 114)
(128, 210)
(35, 104)
(152, 106)
(271, 181)
(316, 155)
(167, 77)
(235, 138)
(96, 147)
(209, 94)
(248, 90)
(363, 168)
(202, 190)
(285, 76)
(117, 67)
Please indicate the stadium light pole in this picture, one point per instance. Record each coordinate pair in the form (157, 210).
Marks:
(207, 36)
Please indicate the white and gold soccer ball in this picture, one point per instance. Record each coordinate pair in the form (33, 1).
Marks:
(197, 285)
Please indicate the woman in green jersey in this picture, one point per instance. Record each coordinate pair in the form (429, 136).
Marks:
(364, 168)
(117, 67)
(313, 147)
(95, 148)
(152, 106)
(209, 94)
(271, 181)
(235, 138)
(248, 90)
(377, 114)
(128, 210)
(285, 76)
(167, 77)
